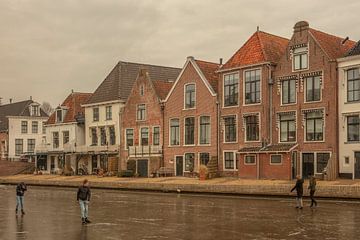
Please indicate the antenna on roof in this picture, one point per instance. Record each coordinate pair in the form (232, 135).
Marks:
(257, 28)
(344, 41)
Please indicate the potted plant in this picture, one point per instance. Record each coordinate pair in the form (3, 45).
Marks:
(203, 172)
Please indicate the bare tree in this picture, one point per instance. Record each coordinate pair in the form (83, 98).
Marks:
(46, 107)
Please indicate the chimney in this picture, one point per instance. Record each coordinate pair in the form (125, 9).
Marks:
(190, 57)
(344, 41)
(301, 26)
(0, 100)
(72, 90)
(221, 61)
(30, 97)
(10, 100)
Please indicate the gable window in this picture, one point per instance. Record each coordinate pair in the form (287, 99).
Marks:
(189, 162)
(287, 128)
(95, 114)
(231, 92)
(300, 58)
(189, 130)
(230, 161)
(94, 137)
(190, 96)
(156, 136)
(144, 136)
(142, 90)
(141, 112)
(112, 137)
(353, 84)
(19, 147)
(66, 137)
(31, 145)
(103, 136)
(230, 129)
(174, 132)
(250, 160)
(252, 128)
(204, 130)
(353, 128)
(55, 139)
(252, 86)
(108, 114)
(314, 126)
(204, 158)
(59, 117)
(276, 159)
(288, 91)
(129, 137)
(24, 127)
(35, 111)
(313, 91)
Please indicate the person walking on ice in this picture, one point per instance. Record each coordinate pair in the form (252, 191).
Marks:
(299, 191)
(312, 188)
(83, 197)
(20, 191)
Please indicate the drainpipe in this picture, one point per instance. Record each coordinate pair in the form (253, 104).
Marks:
(257, 166)
(162, 162)
(270, 83)
(218, 134)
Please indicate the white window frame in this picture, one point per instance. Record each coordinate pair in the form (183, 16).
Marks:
(237, 128)
(315, 160)
(293, 58)
(137, 112)
(184, 161)
(140, 137)
(250, 164)
(199, 136)
(202, 152)
(223, 89)
(125, 137)
(185, 85)
(276, 164)
(324, 125)
(152, 135)
(244, 84)
(279, 126)
(281, 93)
(171, 145)
(321, 88)
(184, 131)
(258, 114)
(235, 159)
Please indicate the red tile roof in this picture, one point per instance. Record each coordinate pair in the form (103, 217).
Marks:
(73, 104)
(332, 45)
(260, 47)
(209, 70)
(162, 88)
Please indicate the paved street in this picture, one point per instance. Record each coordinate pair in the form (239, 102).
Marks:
(52, 213)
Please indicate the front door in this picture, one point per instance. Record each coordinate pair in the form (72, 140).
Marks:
(357, 165)
(307, 164)
(179, 165)
(142, 168)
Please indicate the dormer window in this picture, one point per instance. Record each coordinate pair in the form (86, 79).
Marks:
(34, 110)
(300, 58)
(59, 115)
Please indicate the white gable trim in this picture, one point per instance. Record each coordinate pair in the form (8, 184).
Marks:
(191, 60)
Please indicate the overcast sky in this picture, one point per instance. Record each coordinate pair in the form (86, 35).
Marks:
(49, 47)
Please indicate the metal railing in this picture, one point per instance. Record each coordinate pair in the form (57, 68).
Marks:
(144, 151)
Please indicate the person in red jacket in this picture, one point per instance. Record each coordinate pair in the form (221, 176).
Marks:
(83, 197)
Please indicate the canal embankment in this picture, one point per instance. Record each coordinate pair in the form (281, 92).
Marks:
(341, 189)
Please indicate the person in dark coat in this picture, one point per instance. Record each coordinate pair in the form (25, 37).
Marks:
(20, 191)
(312, 188)
(299, 190)
(83, 197)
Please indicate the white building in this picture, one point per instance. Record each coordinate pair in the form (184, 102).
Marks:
(65, 136)
(349, 113)
(25, 129)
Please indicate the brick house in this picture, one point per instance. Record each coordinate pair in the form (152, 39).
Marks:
(103, 112)
(349, 113)
(65, 136)
(191, 119)
(245, 95)
(305, 103)
(142, 121)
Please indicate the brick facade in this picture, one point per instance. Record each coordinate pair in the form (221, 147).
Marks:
(194, 72)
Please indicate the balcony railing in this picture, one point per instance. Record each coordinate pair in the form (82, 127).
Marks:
(72, 148)
(144, 151)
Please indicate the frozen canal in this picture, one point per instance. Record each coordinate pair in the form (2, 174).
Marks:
(53, 213)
